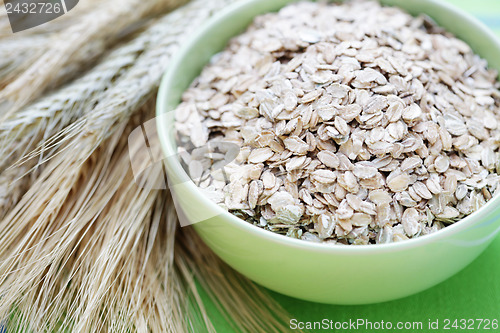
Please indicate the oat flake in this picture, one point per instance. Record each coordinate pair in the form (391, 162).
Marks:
(357, 124)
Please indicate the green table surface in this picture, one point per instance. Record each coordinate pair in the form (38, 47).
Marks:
(472, 294)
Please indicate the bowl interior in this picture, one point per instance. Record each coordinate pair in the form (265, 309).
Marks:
(215, 34)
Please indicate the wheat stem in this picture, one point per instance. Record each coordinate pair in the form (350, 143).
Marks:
(86, 249)
(96, 27)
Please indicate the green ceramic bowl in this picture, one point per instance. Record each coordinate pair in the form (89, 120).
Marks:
(310, 271)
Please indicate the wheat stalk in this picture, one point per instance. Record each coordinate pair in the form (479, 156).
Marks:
(116, 107)
(98, 25)
(54, 112)
(14, 52)
(117, 87)
(81, 249)
(101, 255)
(13, 184)
(243, 303)
(18, 51)
(128, 91)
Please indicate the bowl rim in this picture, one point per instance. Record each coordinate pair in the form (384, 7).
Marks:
(162, 109)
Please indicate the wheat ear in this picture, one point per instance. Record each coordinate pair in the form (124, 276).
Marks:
(81, 249)
(98, 25)
(106, 260)
(117, 87)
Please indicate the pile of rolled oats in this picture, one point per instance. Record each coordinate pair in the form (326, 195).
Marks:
(355, 124)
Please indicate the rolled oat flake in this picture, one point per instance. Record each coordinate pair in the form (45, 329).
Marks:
(357, 124)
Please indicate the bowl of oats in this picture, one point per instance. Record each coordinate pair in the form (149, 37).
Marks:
(338, 152)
